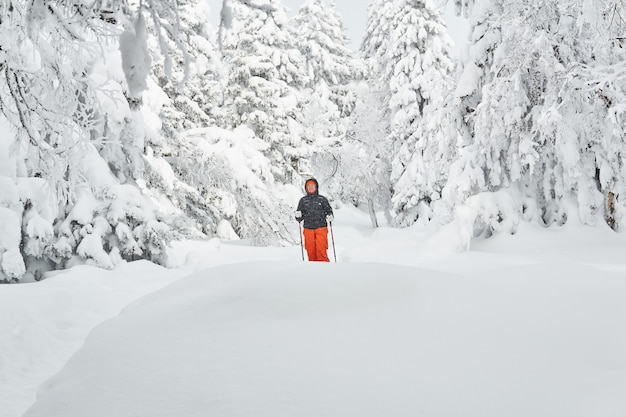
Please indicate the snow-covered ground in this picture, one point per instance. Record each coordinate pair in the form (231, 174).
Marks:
(524, 325)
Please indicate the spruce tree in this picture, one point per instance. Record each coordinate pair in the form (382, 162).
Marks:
(189, 81)
(70, 202)
(264, 70)
(539, 129)
(409, 61)
(330, 65)
(217, 177)
(419, 69)
(332, 73)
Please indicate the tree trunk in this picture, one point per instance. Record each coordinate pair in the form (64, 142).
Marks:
(610, 210)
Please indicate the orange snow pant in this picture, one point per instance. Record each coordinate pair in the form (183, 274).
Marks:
(316, 244)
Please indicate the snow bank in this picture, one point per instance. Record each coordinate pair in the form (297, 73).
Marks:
(357, 339)
(43, 323)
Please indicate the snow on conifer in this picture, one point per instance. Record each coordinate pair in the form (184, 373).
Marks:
(330, 95)
(323, 44)
(361, 172)
(409, 55)
(539, 128)
(184, 94)
(264, 72)
(376, 40)
(63, 197)
(125, 123)
(423, 132)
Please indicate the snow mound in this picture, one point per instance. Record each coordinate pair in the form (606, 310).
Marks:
(356, 339)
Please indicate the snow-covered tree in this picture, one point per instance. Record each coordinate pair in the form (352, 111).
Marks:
(363, 164)
(264, 73)
(373, 49)
(329, 98)
(409, 59)
(190, 76)
(363, 160)
(225, 186)
(194, 166)
(542, 125)
(419, 66)
(69, 202)
(330, 65)
(185, 94)
(422, 165)
(376, 40)
(595, 88)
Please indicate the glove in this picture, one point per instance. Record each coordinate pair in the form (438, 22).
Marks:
(330, 218)
(299, 216)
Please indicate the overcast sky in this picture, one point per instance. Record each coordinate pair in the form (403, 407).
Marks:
(354, 15)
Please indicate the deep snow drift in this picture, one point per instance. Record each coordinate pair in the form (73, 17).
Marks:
(286, 339)
(521, 325)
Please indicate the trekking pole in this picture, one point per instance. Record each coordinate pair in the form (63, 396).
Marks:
(332, 235)
(301, 245)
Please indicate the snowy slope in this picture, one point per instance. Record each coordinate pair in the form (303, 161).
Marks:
(42, 324)
(530, 324)
(362, 339)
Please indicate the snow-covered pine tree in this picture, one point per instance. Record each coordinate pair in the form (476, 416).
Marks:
(64, 201)
(591, 104)
(195, 164)
(373, 49)
(230, 178)
(540, 134)
(377, 38)
(364, 164)
(367, 146)
(465, 177)
(214, 176)
(265, 72)
(187, 68)
(608, 86)
(418, 68)
(416, 64)
(410, 65)
(185, 94)
(332, 73)
(330, 65)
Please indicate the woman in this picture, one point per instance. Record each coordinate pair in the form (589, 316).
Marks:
(315, 211)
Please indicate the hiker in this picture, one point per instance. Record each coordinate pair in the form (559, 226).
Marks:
(315, 211)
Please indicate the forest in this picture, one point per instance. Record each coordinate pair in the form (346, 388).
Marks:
(125, 125)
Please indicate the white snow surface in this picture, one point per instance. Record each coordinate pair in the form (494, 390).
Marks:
(523, 325)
